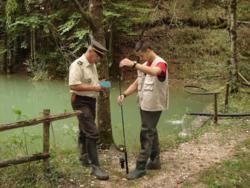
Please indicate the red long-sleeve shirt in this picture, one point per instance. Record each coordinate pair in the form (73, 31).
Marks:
(163, 67)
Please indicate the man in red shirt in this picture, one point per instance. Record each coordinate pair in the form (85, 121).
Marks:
(152, 89)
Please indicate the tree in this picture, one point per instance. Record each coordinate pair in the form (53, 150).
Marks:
(103, 109)
(95, 21)
(233, 37)
(11, 8)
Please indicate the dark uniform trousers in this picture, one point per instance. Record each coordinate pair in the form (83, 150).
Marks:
(88, 133)
(149, 136)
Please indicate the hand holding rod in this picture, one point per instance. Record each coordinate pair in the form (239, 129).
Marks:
(123, 129)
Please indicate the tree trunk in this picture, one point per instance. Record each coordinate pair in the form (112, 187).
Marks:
(9, 56)
(5, 61)
(233, 37)
(33, 46)
(103, 107)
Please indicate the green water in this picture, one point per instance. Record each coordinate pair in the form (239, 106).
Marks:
(28, 98)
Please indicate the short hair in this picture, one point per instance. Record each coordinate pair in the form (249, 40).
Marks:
(142, 45)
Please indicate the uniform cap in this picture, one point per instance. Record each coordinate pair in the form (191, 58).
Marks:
(99, 48)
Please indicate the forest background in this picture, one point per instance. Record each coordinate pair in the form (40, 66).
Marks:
(42, 38)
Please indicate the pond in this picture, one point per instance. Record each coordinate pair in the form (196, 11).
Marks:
(21, 98)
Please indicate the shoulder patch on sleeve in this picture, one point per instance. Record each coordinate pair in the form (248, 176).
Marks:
(79, 63)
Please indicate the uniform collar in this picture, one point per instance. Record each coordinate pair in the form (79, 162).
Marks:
(85, 61)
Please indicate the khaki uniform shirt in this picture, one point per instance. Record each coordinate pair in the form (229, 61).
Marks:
(83, 72)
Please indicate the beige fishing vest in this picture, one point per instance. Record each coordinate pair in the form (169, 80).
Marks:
(152, 93)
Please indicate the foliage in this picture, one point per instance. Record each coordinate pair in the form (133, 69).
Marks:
(23, 23)
(63, 171)
(243, 11)
(27, 5)
(10, 9)
(72, 33)
(73, 20)
(80, 38)
(40, 69)
(63, 31)
(123, 16)
(2, 21)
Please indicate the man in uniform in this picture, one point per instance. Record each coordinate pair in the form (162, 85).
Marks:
(152, 87)
(85, 87)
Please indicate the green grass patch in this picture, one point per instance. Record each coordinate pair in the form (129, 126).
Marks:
(231, 173)
(64, 170)
(243, 10)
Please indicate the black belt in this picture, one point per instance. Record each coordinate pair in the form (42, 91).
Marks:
(86, 98)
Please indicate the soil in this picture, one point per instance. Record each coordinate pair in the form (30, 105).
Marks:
(179, 165)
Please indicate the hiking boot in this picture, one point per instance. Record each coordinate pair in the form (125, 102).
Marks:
(99, 173)
(83, 156)
(154, 164)
(84, 159)
(138, 172)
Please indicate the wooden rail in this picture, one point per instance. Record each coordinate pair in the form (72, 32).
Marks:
(46, 119)
(38, 120)
(206, 92)
(24, 159)
(215, 115)
(219, 114)
(243, 78)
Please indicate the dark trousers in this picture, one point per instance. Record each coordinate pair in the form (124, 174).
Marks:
(149, 136)
(88, 133)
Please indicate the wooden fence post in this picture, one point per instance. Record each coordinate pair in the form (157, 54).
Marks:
(215, 108)
(46, 137)
(46, 119)
(226, 97)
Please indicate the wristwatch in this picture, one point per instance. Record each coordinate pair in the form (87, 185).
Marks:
(135, 62)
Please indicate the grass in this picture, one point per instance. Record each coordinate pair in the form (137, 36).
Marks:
(231, 173)
(64, 169)
(235, 171)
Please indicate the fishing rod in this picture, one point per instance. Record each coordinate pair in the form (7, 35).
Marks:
(124, 149)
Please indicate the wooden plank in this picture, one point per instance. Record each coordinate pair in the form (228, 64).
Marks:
(202, 90)
(46, 135)
(24, 159)
(226, 97)
(243, 78)
(31, 122)
(215, 108)
(219, 114)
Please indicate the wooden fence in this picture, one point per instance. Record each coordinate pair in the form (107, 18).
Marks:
(203, 91)
(46, 119)
(215, 114)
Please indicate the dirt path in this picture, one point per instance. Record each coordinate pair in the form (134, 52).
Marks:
(193, 157)
(179, 165)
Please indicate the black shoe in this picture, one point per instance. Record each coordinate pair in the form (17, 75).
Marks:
(84, 159)
(99, 173)
(154, 164)
(138, 172)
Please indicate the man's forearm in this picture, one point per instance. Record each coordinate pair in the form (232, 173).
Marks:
(131, 89)
(154, 71)
(86, 87)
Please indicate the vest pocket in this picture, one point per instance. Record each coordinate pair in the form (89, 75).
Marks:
(149, 85)
(140, 82)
